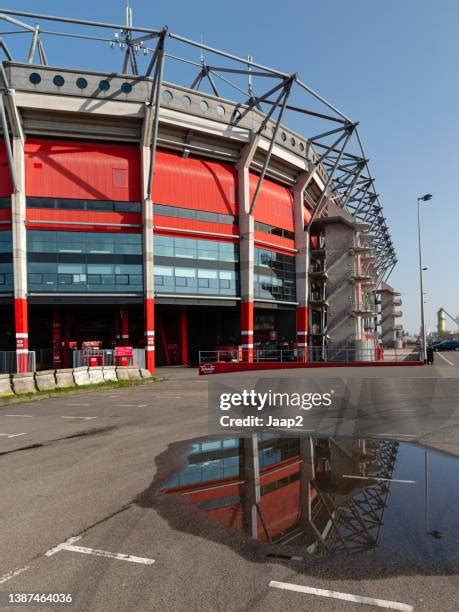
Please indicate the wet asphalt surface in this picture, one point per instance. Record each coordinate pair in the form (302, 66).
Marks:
(96, 477)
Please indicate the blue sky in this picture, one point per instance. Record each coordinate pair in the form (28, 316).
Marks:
(392, 65)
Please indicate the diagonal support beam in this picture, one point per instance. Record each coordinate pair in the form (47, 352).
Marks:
(285, 95)
(156, 98)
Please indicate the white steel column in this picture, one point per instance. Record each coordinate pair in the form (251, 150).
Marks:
(301, 266)
(246, 249)
(19, 232)
(147, 242)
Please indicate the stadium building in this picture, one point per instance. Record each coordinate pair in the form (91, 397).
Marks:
(137, 211)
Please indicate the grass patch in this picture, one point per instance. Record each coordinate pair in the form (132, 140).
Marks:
(110, 384)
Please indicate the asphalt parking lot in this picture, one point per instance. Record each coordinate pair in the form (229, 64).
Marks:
(76, 518)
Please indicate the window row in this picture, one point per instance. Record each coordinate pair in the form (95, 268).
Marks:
(195, 215)
(278, 262)
(84, 242)
(195, 280)
(91, 205)
(274, 288)
(6, 241)
(81, 277)
(6, 277)
(274, 231)
(188, 248)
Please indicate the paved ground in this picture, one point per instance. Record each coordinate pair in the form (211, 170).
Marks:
(82, 466)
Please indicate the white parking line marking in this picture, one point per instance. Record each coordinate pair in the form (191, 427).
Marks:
(69, 545)
(29, 416)
(378, 478)
(13, 435)
(13, 573)
(77, 404)
(85, 418)
(382, 603)
(447, 360)
(399, 435)
(130, 405)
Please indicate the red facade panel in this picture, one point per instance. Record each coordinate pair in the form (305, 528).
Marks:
(6, 185)
(5, 215)
(274, 205)
(274, 243)
(77, 220)
(82, 170)
(193, 228)
(194, 183)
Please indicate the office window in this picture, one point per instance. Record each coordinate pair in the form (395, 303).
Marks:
(89, 205)
(195, 266)
(274, 276)
(6, 261)
(84, 262)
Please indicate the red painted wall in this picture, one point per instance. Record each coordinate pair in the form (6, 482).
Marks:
(274, 204)
(6, 186)
(78, 220)
(194, 183)
(191, 228)
(82, 170)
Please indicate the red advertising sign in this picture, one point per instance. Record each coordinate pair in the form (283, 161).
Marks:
(206, 368)
(123, 351)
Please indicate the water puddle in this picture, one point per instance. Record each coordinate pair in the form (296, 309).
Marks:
(327, 497)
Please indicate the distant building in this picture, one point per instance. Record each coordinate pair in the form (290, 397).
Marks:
(389, 311)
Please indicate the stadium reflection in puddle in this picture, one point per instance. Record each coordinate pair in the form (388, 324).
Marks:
(328, 496)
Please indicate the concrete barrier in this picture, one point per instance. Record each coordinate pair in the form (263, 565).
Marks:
(109, 373)
(30, 382)
(134, 374)
(122, 372)
(96, 375)
(64, 378)
(81, 376)
(5, 385)
(45, 380)
(24, 383)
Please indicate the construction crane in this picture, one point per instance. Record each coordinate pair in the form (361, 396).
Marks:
(441, 325)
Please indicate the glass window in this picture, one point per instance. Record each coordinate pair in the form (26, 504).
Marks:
(187, 277)
(85, 261)
(64, 279)
(280, 285)
(164, 271)
(185, 272)
(65, 268)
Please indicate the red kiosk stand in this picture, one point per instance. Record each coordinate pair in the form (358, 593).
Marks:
(93, 355)
(124, 356)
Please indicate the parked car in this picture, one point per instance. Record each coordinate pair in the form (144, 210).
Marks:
(446, 345)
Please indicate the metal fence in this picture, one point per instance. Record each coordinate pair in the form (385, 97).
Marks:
(9, 362)
(105, 357)
(313, 354)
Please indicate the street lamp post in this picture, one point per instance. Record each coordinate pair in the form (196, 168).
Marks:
(424, 198)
